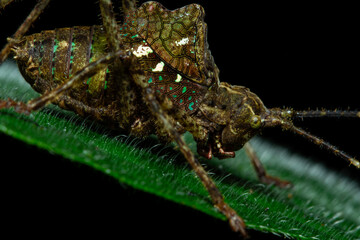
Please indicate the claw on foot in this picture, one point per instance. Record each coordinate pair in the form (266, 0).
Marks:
(267, 179)
(236, 223)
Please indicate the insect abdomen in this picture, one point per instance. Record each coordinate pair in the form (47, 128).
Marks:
(49, 58)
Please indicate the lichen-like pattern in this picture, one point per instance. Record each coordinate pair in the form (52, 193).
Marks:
(171, 48)
(183, 92)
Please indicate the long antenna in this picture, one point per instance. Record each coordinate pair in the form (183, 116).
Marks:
(326, 113)
(320, 142)
(283, 118)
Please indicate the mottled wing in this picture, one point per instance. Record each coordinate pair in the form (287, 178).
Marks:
(177, 37)
(184, 93)
(172, 50)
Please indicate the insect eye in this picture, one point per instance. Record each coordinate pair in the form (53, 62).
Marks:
(255, 121)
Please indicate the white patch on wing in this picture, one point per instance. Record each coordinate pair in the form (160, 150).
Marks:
(159, 67)
(178, 78)
(142, 51)
(182, 41)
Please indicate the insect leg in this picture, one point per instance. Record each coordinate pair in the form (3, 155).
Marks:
(128, 6)
(235, 221)
(110, 24)
(39, 7)
(53, 95)
(3, 3)
(120, 68)
(260, 170)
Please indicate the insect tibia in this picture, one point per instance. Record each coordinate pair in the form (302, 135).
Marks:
(326, 113)
(128, 6)
(3, 3)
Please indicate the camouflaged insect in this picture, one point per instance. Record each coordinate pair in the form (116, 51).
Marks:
(154, 74)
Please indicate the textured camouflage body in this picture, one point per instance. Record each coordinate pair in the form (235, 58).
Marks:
(172, 57)
(50, 58)
(180, 64)
(153, 74)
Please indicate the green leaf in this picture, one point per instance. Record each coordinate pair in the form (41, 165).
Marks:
(321, 205)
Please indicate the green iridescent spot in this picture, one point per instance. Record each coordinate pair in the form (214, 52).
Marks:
(150, 80)
(190, 98)
(170, 88)
(160, 78)
(181, 101)
(190, 106)
(174, 96)
(56, 45)
(184, 90)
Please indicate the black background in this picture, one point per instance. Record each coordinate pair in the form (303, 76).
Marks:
(297, 55)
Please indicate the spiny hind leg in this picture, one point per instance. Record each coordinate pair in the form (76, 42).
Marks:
(260, 170)
(110, 25)
(120, 69)
(24, 27)
(128, 6)
(56, 93)
(236, 222)
(3, 3)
